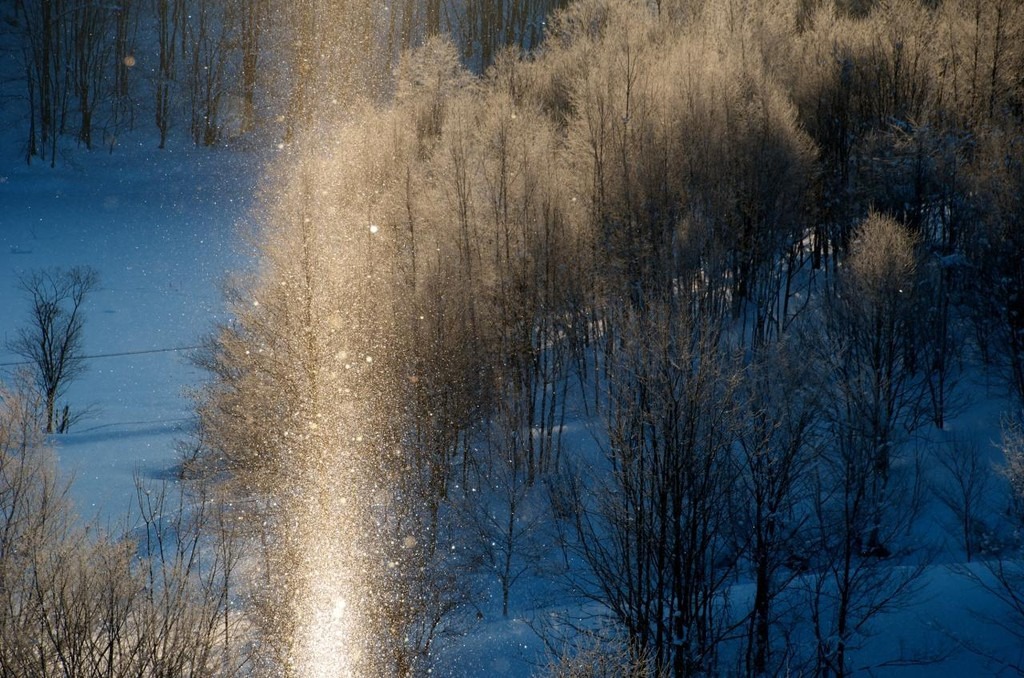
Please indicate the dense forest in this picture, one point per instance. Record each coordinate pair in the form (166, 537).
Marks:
(218, 70)
(670, 301)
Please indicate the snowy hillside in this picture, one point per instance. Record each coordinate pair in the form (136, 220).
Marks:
(161, 228)
(691, 344)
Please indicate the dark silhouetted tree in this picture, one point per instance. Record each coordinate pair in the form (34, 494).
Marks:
(52, 342)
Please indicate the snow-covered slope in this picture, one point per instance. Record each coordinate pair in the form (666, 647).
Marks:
(160, 228)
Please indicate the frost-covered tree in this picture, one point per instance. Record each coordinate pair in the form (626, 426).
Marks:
(870, 357)
(320, 416)
(77, 601)
(867, 487)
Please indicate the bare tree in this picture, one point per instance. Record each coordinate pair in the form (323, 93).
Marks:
(170, 19)
(209, 39)
(126, 24)
(91, 55)
(506, 513)
(655, 531)
(29, 498)
(52, 342)
(867, 487)
(1012, 444)
(994, 247)
(851, 580)
(777, 442)
(252, 17)
(965, 491)
(46, 64)
(190, 544)
(75, 601)
(878, 396)
(1005, 571)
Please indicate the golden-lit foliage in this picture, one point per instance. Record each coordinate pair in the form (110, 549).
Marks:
(664, 199)
(304, 421)
(882, 258)
(79, 601)
(436, 265)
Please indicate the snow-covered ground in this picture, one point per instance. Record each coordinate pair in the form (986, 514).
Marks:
(160, 229)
